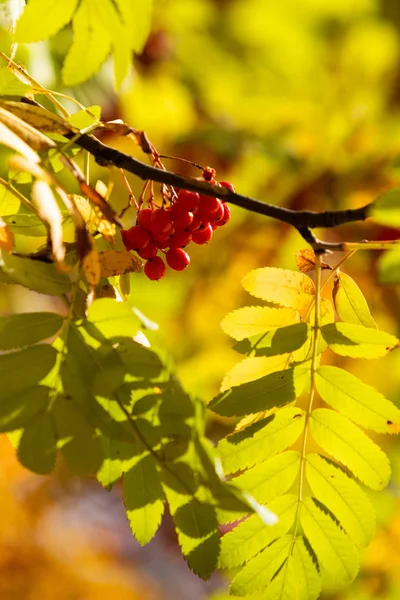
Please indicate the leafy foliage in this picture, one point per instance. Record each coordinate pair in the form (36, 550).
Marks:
(320, 527)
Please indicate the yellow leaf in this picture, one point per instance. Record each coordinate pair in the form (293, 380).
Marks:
(91, 267)
(305, 260)
(251, 368)
(116, 262)
(280, 286)
(350, 304)
(49, 211)
(6, 237)
(251, 320)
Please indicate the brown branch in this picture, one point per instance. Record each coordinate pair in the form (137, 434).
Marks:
(303, 220)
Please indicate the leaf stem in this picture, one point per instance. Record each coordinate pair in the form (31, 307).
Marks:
(313, 368)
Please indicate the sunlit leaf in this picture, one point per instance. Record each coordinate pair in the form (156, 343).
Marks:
(251, 536)
(261, 440)
(26, 224)
(259, 571)
(273, 390)
(21, 330)
(251, 368)
(280, 286)
(250, 320)
(91, 267)
(119, 457)
(144, 499)
(347, 443)
(333, 547)
(358, 341)
(137, 16)
(85, 118)
(350, 304)
(114, 319)
(386, 209)
(271, 478)
(47, 17)
(343, 497)
(18, 409)
(356, 400)
(276, 342)
(117, 262)
(11, 85)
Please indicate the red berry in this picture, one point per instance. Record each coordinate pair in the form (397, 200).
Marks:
(217, 216)
(189, 201)
(227, 184)
(209, 174)
(136, 238)
(202, 235)
(155, 268)
(161, 221)
(227, 214)
(180, 239)
(144, 218)
(196, 223)
(148, 251)
(180, 216)
(177, 259)
(208, 207)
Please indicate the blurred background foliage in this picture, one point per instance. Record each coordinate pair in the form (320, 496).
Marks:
(296, 103)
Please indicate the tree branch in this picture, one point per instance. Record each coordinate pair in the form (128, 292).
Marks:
(303, 220)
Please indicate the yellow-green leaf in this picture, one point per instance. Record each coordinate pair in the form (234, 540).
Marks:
(252, 368)
(43, 18)
(11, 85)
(259, 441)
(251, 320)
(332, 546)
(356, 400)
(386, 209)
(348, 444)
(280, 286)
(276, 342)
(343, 497)
(350, 304)
(357, 341)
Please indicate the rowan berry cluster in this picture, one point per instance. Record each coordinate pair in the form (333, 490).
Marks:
(190, 217)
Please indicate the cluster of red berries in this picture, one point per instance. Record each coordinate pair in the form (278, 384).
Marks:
(190, 218)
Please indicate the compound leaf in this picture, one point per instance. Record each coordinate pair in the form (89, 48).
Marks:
(36, 275)
(43, 18)
(280, 286)
(348, 444)
(356, 400)
(22, 370)
(17, 410)
(38, 444)
(275, 342)
(113, 319)
(251, 368)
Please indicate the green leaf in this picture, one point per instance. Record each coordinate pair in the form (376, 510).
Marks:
(22, 370)
(17, 410)
(137, 16)
(298, 578)
(280, 286)
(389, 266)
(252, 535)
(278, 341)
(386, 209)
(78, 440)
(259, 571)
(43, 18)
(119, 457)
(9, 203)
(113, 319)
(343, 497)
(332, 546)
(251, 368)
(36, 275)
(350, 304)
(261, 440)
(10, 85)
(357, 341)
(21, 330)
(271, 478)
(144, 499)
(38, 444)
(348, 444)
(356, 400)
(26, 224)
(276, 389)
(90, 45)
(252, 320)
(85, 118)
